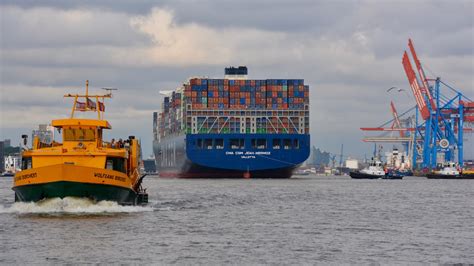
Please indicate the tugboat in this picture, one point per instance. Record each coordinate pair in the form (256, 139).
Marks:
(447, 170)
(374, 171)
(83, 165)
(467, 174)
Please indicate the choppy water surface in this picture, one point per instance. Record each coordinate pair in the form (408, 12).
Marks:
(296, 221)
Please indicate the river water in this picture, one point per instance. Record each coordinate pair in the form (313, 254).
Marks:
(303, 220)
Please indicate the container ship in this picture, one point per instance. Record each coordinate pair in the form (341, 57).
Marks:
(233, 127)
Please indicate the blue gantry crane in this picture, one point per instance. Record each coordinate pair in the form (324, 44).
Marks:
(445, 112)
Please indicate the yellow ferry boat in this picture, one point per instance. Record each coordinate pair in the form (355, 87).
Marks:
(83, 165)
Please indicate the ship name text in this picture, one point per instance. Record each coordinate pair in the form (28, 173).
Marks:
(108, 176)
(25, 176)
(247, 154)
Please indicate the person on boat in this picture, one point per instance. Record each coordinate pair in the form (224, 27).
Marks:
(112, 143)
(120, 143)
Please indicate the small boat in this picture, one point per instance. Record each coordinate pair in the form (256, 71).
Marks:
(447, 170)
(11, 165)
(393, 174)
(83, 165)
(467, 174)
(406, 172)
(374, 171)
(301, 172)
(8, 173)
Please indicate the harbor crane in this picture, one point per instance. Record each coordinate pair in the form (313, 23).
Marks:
(445, 112)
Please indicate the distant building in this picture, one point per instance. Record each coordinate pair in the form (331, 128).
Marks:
(2, 156)
(7, 143)
(319, 158)
(45, 133)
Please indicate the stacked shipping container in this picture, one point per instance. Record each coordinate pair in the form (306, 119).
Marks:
(170, 119)
(234, 94)
(196, 93)
(218, 94)
(242, 94)
(298, 94)
(277, 94)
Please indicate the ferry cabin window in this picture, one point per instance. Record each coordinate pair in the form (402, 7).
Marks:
(219, 144)
(287, 144)
(296, 144)
(237, 143)
(261, 143)
(79, 134)
(276, 144)
(109, 165)
(26, 163)
(116, 164)
(208, 144)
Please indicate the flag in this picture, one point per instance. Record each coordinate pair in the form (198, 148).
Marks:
(101, 107)
(80, 106)
(91, 104)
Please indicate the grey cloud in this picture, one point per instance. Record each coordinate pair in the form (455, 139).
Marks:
(348, 52)
(41, 27)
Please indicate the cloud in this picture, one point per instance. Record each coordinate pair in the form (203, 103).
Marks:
(45, 27)
(349, 53)
(191, 44)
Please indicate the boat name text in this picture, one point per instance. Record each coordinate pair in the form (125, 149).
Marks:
(107, 176)
(25, 176)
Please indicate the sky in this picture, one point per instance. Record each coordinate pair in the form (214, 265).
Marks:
(348, 52)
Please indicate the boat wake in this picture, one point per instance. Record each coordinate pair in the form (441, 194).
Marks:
(71, 205)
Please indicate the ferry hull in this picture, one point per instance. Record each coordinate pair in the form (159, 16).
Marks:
(64, 189)
(64, 180)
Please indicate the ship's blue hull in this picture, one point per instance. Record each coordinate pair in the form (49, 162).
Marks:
(216, 156)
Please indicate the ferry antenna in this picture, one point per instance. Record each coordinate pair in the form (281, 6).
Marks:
(109, 90)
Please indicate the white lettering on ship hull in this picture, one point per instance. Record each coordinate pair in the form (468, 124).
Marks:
(247, 154)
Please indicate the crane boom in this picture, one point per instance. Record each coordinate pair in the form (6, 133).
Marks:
(425, 88)
(415, 87)
(396, 119)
